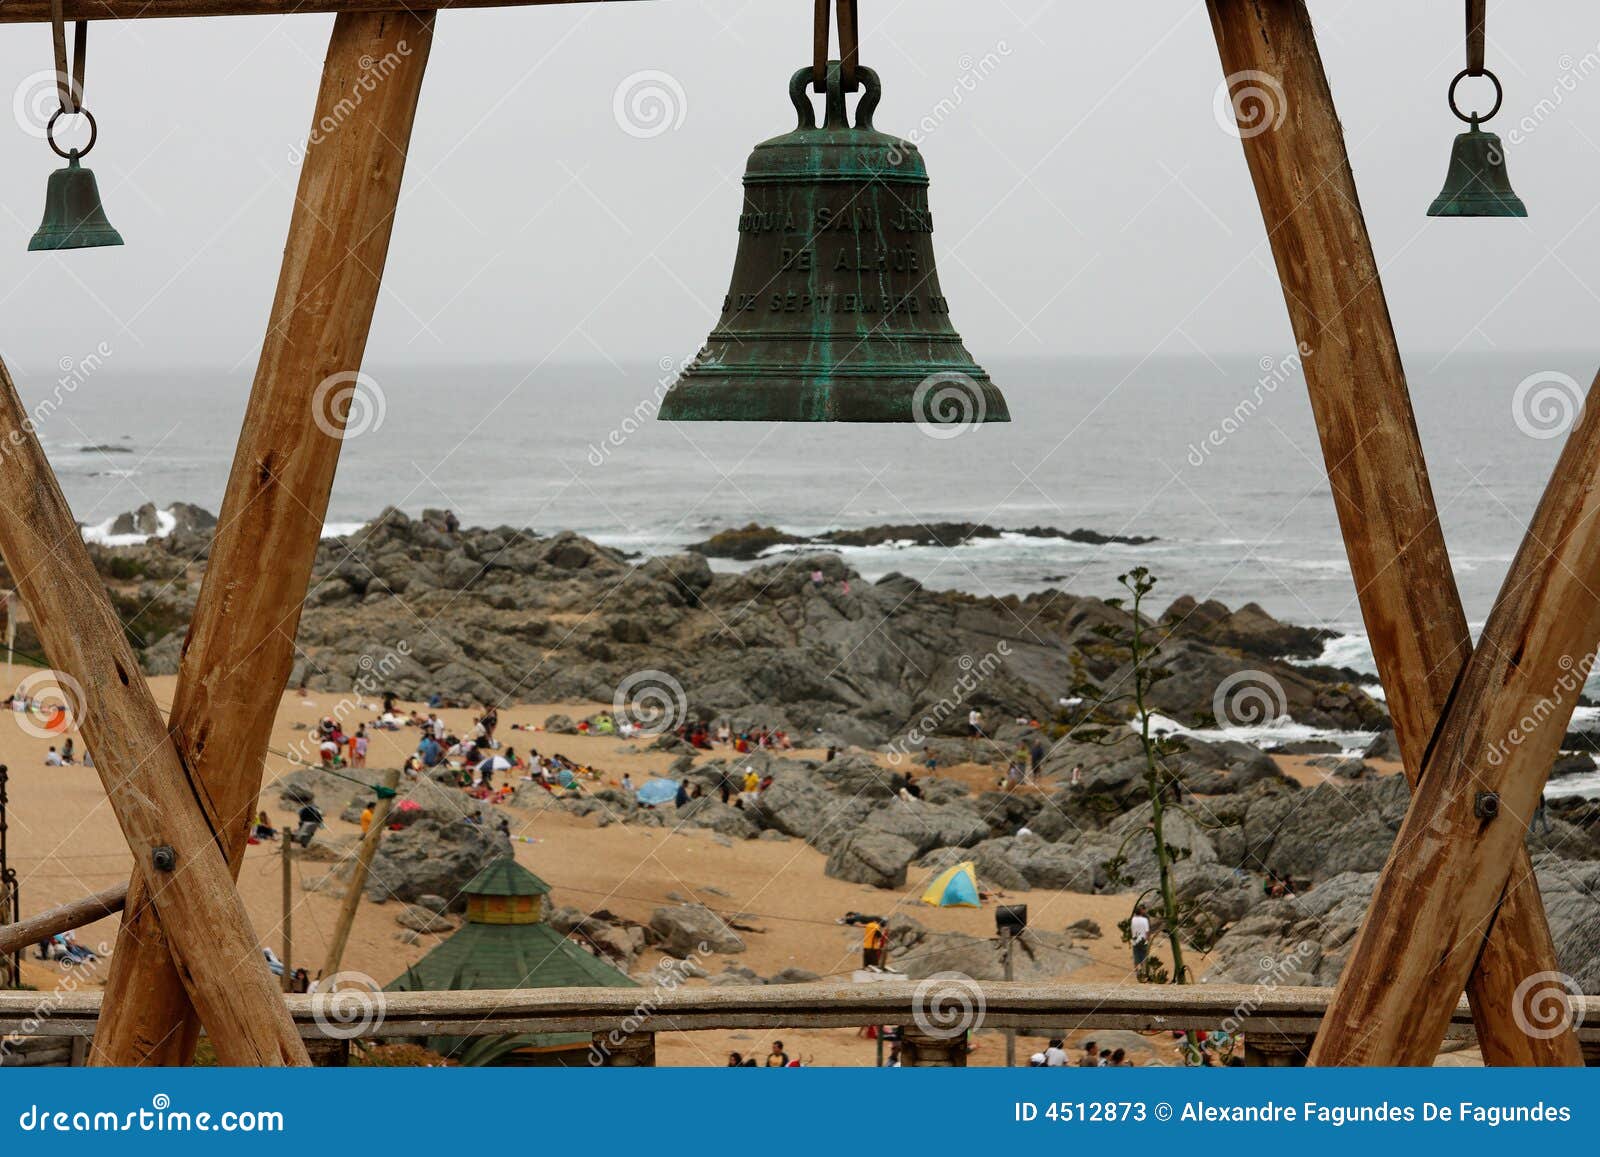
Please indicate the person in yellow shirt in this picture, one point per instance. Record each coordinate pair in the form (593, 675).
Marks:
(874, 941)
(366, 819)
(752, 781)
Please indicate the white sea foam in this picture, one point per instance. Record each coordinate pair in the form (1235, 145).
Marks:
(165, 522)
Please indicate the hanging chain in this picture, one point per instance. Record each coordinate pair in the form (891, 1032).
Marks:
(849, 45)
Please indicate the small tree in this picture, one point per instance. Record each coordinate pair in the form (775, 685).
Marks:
(1107, 723)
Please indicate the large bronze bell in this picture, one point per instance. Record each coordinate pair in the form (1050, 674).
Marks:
(835, 312)
(73, 215)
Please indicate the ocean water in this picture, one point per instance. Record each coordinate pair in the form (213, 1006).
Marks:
(1215, 457)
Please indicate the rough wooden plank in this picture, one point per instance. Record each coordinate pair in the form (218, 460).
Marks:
(1295, 149)
(215, 951)
(38, 11)
(66, 917)
(240, 648)
(1274, 1011)
(1437, 895)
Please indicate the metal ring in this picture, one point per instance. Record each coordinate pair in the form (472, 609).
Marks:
(1499, 95)
(49, 132)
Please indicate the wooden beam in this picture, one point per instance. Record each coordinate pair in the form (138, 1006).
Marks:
(239, 652)
(218, 958)
(38, 11)
(1436, 898)
(1409, 603)
(358, 874)
(66, 917)
(1250, 1009)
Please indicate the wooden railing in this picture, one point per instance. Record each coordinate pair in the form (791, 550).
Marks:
(1277, 1023)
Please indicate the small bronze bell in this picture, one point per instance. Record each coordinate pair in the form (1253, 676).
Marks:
(1477, 184)
(835, 312)
(73, 215)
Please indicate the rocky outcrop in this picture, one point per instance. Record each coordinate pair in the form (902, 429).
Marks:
(872, 857)
(692, 930)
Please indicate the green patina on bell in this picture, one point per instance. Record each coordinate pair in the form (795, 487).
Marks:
(1477, 184)
(835, 313)
(73, 215)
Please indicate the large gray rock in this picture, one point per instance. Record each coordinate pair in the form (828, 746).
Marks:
(873, 857)
(1037, 955)
(690, 930)
(710, 812)
(437, 855)
(928, 826)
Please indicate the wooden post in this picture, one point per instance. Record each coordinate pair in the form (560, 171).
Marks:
(1263, 1049)
(1409, 603)
(920, 1050)
(1485, 775)
(156, 803)
(614, 1050)
(16, 937)
(288, 909)
(358, 875)
(240, 648)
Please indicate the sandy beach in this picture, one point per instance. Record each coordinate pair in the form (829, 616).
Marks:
(65, 843)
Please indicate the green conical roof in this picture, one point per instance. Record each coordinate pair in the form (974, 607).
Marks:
(506, 877)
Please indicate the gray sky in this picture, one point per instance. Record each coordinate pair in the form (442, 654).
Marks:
(1086, 198)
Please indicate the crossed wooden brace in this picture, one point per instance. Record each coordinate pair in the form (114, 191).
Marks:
(186, 945)
(1457, 903)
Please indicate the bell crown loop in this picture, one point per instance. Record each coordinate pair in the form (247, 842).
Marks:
(836, 111)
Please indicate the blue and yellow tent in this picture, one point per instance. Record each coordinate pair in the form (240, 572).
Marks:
(955, 887)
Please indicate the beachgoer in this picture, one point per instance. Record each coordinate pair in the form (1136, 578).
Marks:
(627, 783)
(1035, 758)
(874, 946)
(52, 758)
(1139, 934)
(1055, 1056)
(683, 795)
(358, 747)
(1091, 1056)
(310, 820)
(975, 724)
(264, 829)
(1077, 774)
(777, 1058)
(366, 818)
